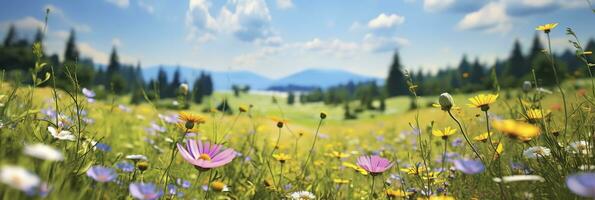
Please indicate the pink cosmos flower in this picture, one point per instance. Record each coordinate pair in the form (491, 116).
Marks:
(374, 164)
(205, 156)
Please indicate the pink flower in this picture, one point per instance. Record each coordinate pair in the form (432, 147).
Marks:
(205, 156)
(374, 164)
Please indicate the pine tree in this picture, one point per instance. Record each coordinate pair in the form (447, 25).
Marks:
(11, 36)
(395, 82)
(114, 63)
(290, 98)
(71, 53)
(536, 49)
(162, 83)
(175, 83)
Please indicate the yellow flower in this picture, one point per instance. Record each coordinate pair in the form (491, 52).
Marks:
(413, 170)
(218, 186)
(483, 137)
(444, 133)
(535, 114)
(396, 193)
(547, 27)
(340, 181)
(356, 168)
(279, 122)
(499, 150)
(337, 154)
(190, 119)
(483, 101)
(519, 130)
(243, 108)
(442, 198)
(281, 157)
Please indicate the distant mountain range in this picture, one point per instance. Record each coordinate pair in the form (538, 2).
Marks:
(303, 80)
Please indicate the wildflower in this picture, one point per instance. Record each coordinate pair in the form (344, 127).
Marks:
(444, 133)
(340, 181)
(183, 183)
(172, 119)
(441, 197)
(302, 195)
(123, 108)
(190, 119)
(394, 194)
(281, 157)
(219, 186)
(43, 152)
(582, 184)
(337, 154)
(446, 102)
(184, 88)
(243, 109)
(516, 129)
(527, 86)
(61, 134)
(579, 147)
(535, 114)
(517, 178)
(544, 91)
(205, 156)
(414, 170)
(142, 166)
(546, 28)
(356, 168)
(102, 174)
(89, 94)
(102, 147)
(322, 115)
(18, 178)
(457, 142)
(374, 164)
(483, 101)
(279, 122)
(483, 137)
(136, 157)
(125, 166)
(537, 151)
(145, 191)
(469, 166)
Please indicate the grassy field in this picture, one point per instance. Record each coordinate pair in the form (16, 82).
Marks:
(278, 163)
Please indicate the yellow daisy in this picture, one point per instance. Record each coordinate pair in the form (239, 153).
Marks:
(519, 130)
(281, 157)
(337, 154)
(340, 181)
(189, 119)
(356, 168)
(546, 28)
(483, 101)
(396, 193)
(444, 133)
(483, 137)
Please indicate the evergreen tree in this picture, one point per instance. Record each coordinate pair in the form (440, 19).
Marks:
(11, 36)
(114, 63)
(162, 83)
(175, 83)
(536, 49)
(395, 82)
(71, 53)
(290, 98)
(516, 66)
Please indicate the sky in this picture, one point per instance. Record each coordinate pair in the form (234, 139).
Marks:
(276, 38)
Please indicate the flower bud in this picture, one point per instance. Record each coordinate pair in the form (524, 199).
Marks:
(142, 166)
(184, 88)
(527, 86)
(446, 101)
(322, 115)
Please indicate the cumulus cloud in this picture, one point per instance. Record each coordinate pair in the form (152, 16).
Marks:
(453, 5)
(116, 42)
(247, 20)
(491, 18)
(379, 44)
(27, 24)
(89, 51)
(284, 4)
(384, 21)
(146, 6)
(120, 3)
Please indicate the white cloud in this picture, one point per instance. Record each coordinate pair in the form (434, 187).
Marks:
(89, 51)
(116, 42)
(54, 10)
(120, 3)
(27, 24)
(437, 5)
(61, 15)
(378, 44)
(247, 20)
(384, 21)
(284, 4)
(490, 18)
(461, 6)
(146, 6)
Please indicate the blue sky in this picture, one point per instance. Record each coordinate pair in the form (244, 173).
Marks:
(275, 38)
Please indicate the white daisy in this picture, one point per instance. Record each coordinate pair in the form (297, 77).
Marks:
(302, 195)
(515, 178)
(61, 135)
(579, 147)
(43, 152)
(18, 177)
(136, 157)
(537, 151)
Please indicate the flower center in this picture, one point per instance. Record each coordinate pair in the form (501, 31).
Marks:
(205, 156)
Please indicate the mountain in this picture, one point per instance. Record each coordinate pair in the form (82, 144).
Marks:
(323, 78)
(221, 80)
(303, 80)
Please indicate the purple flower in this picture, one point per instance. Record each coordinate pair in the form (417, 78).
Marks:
(172, 189)
(123, 108)
(88, 93)
(582, 184)
(374, 164)
(172, 119)
(103, 147)
(205, 156)
(125, 166)
(183, 183)
(145, 191)
(457, 142)
(102, 174)
(469, 166)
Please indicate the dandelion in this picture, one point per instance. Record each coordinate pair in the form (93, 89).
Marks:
(302, 195)
(469, 166)
(190, 119)
(43, 152)
(537, 151)
(546, 28)
(444, 133)
(281, 157)
(375, 165)
(18, 178)
(582, 184)
(102, 174)
(516, 129)
(145, 191)
(61, 134)
(483, 101)
(205, 156)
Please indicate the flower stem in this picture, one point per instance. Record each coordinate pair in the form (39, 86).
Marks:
(465, 136)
